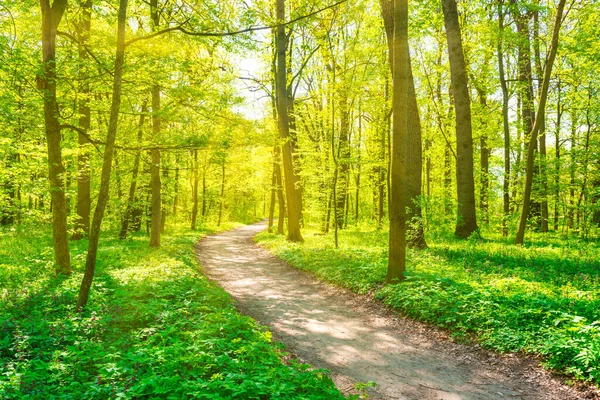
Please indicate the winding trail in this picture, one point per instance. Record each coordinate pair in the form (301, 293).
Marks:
(357, 339)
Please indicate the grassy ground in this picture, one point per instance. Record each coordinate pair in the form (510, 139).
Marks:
(155, 328)
(543, 298)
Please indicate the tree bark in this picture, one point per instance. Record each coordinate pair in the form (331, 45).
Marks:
(83, 158)
(542, 135)
(51, 17)
(292, 194)
(414, 151)
(505, 124)
(537, 125)
(109, 150)
(398, 195)
(155, 153)
(465, 184)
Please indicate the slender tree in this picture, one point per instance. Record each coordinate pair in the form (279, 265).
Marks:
(465, 184)
(109, 150)
(543, 96)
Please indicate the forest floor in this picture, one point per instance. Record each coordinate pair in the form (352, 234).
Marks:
(360, 340)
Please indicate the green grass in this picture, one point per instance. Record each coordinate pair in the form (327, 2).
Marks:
(154, 327)
(543, 298)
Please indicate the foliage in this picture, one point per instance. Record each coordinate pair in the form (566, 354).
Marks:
(155, 327)
(542, 299)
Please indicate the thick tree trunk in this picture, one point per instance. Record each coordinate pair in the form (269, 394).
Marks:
(109, 150)
(414, 151)
(292, 194)
(466, 219)
(537, 125)
(82, 228)
(398, 195)
(51, 16)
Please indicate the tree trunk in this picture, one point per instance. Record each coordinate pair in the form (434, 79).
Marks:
(109, 150)
(292, 195)
(466, 219)
(82, 228)
(542, 140)
(505, 124)
(155, 153)
(51, 16)
(398, 195)
(484, 161)
(414, 152)
(537, 125)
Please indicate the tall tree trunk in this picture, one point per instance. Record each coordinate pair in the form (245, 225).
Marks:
(542, 135)
(466, 219)
(292, 194)
(414, 152)
(358, 167)
(398, 195)
(538, 122)
(109, 150)
(51, 16)
(155, 153)
(505, 124)
(83, 158)
(127, 217)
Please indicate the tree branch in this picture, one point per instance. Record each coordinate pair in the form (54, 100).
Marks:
(180, 28)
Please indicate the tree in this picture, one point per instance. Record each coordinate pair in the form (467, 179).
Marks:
(292, 193)
(414, 153)
(466, 220)
(109, 150)
(51, 17)
(400, 73)
(538, 122)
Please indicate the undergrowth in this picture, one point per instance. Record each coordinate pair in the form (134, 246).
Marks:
(154, 327)
(543, 298)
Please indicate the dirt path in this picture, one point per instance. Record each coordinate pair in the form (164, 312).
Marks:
(357, 339)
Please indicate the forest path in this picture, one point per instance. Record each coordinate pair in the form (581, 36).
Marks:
(356, 338)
